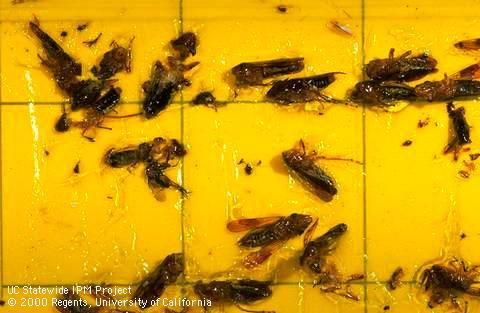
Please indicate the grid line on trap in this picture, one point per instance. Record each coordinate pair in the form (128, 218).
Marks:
(1, 179)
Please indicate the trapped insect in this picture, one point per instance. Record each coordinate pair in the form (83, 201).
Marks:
(460, 134)
(403, 68)
(237, 292)
(301, 90)
(154, 284)
(254, 73)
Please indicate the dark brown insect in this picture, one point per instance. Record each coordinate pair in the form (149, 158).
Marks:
(185, 45)
(63, 67)
(300, 90)
(381, 93)
(447, 89)
(91, 43)
(254, 73)
(304, 168)
(449, 281)
(114, 61)
(154, 284)
(164, 83)
(460, 135)
(82, 27)
(241, 291)
(86, 92)
(407, 143)
(282, 8)
(269, 233)
(394, 280)
(469, 44)
(315, 258)
(403, 68)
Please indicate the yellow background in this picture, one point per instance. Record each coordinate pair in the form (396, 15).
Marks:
(405, 206)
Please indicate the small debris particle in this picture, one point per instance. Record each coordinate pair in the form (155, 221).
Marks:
(82, 27)
(463, 236)
(64, 34)
(2, 303)
(47, 153)
(407, 143)
(259, 162)
(91, 43)
(464, 174)
(386, 308)
(248, 169)
(109, 197)
(241, 162)
(76, 169)
(282, 9)
(341, 27)
(423, 123)
(474, 156)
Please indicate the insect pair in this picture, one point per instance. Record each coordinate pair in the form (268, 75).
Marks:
(271, 233)
(386, 86)
(287, 91)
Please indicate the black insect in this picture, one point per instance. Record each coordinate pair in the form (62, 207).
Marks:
(301, 90)
(269, 233)
(154, 284)
(303, 166)
(460, 135)
(86, 92)
(241, 291)
(91, 43)
(381, 93)
(449, 281)
(164, 83)
(254, 73)
(114, 61)
(403, 68)
(185, 45)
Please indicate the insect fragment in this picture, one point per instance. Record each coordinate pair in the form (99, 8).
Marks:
(254, 73)
(403, 68)
(154, 284)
